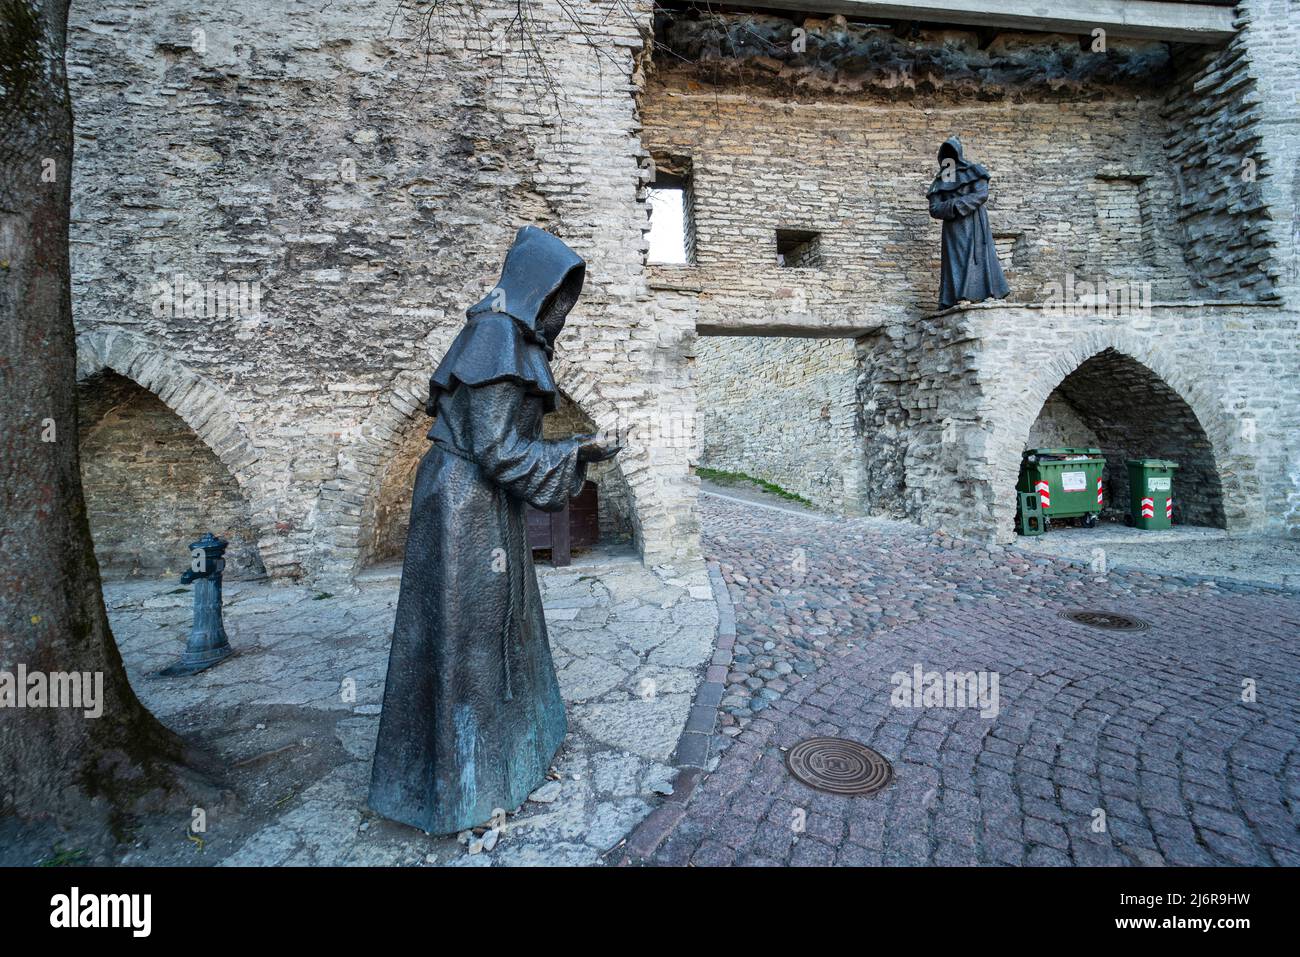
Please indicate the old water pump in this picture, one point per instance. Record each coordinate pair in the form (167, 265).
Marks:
(207, 644)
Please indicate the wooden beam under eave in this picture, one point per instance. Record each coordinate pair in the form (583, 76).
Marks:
(1137, 19)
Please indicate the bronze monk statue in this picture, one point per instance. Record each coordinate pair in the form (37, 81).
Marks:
(970, 269)
(472, 714)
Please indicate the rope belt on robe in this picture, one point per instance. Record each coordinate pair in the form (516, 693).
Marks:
(512, 599)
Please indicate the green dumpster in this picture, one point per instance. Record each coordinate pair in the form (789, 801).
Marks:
(1066, 481)
(1151, 492)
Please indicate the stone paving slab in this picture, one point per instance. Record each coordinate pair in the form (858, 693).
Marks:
(1105, 747)
(295, 713)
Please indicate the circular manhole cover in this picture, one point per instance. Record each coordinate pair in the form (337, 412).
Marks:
(1111, 620)
(838, 766)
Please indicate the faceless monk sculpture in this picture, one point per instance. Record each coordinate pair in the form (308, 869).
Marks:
(472, 712)
(970, 268)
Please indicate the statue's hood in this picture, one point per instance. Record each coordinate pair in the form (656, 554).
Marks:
(539, 271)
(502, 341)
(964, 171)
(951, 147)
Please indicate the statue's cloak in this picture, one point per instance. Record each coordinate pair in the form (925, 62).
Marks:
(472, 714)
(970, 269)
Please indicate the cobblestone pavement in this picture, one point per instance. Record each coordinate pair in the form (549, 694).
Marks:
(1105, 747)
(1181, 550)
(294, 714)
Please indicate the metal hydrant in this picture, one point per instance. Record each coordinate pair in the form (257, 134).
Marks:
(207, 642)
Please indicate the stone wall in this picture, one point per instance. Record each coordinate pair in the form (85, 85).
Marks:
(363, 175)
(1060, 425)
(362, 172)
(1271, 30)
(782, 410)
(839, 140)
(152, 487)
(1193, 382)
(1214, 137)
(1079, 185)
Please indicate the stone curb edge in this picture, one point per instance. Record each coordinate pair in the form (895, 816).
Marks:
(692, 753)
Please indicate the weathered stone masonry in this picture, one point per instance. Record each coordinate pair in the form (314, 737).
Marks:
(1092, 180)
(783, 410)
(370, 186)
(368, 183)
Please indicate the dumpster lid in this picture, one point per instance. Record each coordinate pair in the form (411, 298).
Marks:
(1153, 463)
(1063, 454)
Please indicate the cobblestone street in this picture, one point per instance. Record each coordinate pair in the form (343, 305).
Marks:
(1104, 747)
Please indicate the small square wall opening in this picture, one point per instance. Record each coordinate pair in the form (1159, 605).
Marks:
(798, 248)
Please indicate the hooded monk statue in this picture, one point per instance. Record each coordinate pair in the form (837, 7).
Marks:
(970, 268)
(472, 714)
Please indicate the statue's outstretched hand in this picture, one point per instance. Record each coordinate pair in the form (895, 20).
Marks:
(597, 448)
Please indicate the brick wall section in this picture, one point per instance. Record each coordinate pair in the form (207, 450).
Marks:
(857, 172)
(990, 370)
(371, 185)
(1082, 183)
(1078, 182)
(1272, 34)
(782, 410)
(633, 370)
(152, 486)
(1214, 137)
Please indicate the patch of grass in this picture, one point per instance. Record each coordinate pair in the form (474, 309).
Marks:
(719, 475)
(64, 858)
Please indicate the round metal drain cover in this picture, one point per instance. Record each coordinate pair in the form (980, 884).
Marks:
(1111, 620)
(838, 766)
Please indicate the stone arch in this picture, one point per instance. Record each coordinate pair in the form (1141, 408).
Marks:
(383, 455)
(196, 402)
(1231, 490)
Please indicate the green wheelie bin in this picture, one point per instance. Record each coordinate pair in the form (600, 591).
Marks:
(1067, 482)
(1151, 492)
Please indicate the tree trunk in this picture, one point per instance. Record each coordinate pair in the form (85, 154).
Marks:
(55, 762)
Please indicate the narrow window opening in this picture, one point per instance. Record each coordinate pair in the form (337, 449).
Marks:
(672, 215)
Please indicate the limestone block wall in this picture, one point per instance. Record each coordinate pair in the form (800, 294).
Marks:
(783, 410)
(362, 173)
(1059, 425)
(1214, 138)
(632, 372)
(152, 487)
(990, 370)
(1271, 31)
(1094, 179)
(1079, 185)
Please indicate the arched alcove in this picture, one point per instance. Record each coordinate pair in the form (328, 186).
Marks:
(1115, 403)
(152, 485)
(385, 541)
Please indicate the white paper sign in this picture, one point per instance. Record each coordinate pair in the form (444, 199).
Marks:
(1074, 481)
